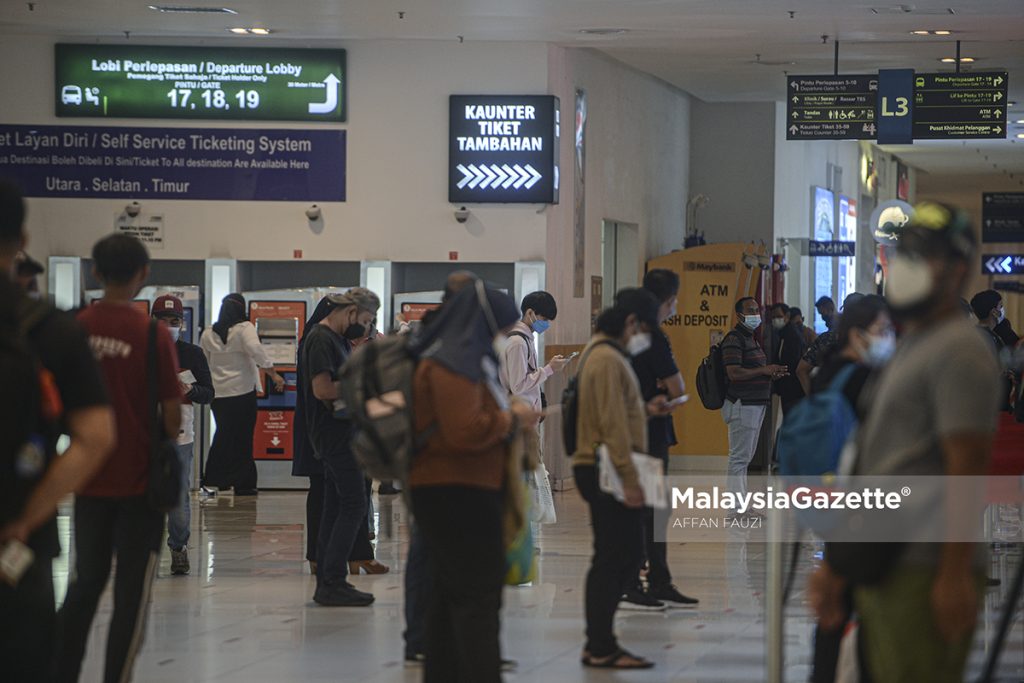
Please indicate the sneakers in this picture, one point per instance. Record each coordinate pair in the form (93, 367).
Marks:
(672, 597)
(637, 601)
(179, 562)
(346, 596)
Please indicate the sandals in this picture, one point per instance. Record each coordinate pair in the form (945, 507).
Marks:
(367, 567)
(620, 659)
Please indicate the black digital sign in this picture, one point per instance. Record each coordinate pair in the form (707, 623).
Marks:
(958, 106)
(503, 149)
(1002, 217)
(831, 107)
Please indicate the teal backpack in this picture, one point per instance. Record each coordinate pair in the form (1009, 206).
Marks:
(816, 430)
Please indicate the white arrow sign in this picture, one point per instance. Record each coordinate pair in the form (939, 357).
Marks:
(794, 130)
(333, 83)
(1000, 265)
(494, 176)
(276, 441)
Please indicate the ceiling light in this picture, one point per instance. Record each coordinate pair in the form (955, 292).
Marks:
(922, 32)
(239, 30)
(260, 31)
(1019, 121)
(603, 31)
(184, 9)
(1020, 135)
(952, 60)
(942, 33)
(251, 31)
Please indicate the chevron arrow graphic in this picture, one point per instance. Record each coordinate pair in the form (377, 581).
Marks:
(511, 176)
(491, 177)
(467, 175)
(523, 176)
(477, 177)
(534, 176)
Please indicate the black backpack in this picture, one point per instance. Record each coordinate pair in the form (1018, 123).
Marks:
(27, 439)
(571, 405)
(712, 380)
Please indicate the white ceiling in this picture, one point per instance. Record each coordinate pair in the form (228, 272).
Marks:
(706, 47)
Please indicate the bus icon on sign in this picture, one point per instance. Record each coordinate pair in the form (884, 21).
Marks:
(71, 94)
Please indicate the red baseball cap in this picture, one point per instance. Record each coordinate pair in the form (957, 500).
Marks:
(168, 305)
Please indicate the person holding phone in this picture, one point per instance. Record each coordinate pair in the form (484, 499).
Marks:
(611, 413)
(663, 388)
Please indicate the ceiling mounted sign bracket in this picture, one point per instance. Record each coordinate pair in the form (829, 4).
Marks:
(835, 64)
(958, 56)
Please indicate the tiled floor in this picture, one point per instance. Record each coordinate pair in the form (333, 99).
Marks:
(245, 613)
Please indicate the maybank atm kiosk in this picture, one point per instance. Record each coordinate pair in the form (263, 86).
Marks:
(279, 317)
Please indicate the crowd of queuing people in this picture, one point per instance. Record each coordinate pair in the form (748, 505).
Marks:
(119, 383)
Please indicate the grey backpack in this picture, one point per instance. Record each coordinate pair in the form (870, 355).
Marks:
(376, 387)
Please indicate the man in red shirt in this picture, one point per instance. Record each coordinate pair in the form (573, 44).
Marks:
(111, 512)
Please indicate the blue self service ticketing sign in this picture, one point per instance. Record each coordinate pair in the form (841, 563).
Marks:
(1002, 264)
(895, 106)
(175, 163)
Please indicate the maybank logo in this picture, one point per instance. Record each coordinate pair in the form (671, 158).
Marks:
(798, 498)
(700, 267)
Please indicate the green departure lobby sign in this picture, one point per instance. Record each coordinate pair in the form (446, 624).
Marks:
(228, 83)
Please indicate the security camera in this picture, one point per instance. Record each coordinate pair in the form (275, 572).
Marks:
(462, 214)
(313, 213)
(133, 209)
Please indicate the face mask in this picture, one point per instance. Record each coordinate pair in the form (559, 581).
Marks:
(751, 322)
(880, 350)
(540, 326)
(910, 282)
(778, 323)
(638, 343)
(1000, 316)
(355, 331)
(175, 333)
(829, 319)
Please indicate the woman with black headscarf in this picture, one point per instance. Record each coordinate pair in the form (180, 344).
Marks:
(456, 480)
(235, 354)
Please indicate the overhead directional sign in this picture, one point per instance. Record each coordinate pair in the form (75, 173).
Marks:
(503, 149)
(1002, 217)
(956, 106)
(895, 106)
(843, 249)
(831, 107)
(169, 82)
(1002, 264)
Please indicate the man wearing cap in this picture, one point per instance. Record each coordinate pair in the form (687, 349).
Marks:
(933, 414)
(196, 388)
(325, 348)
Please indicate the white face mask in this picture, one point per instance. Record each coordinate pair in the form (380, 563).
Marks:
(175, 333)
(638, 343)
(910, 281)
(778, 323)
(751, 322)
(880, 350)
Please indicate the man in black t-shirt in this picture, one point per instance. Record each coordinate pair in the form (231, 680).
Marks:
(75, 399)
(659, 376)
(324, 349)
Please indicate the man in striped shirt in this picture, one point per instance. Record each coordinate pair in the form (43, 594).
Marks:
(749, 393)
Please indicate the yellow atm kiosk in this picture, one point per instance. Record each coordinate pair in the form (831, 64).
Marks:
(713, 278)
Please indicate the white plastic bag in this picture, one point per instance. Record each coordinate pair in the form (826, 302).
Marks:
(543, 502)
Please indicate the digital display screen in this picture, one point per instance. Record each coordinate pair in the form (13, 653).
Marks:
(229, 83)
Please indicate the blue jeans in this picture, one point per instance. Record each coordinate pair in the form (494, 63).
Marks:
(344, 513)
(180, 518)
(417, 587)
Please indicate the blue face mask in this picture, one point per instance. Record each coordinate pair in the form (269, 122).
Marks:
(540, 326)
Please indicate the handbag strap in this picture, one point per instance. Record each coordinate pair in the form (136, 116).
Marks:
(151, 387)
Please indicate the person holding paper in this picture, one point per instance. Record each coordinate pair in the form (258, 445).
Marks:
(196, 388)
(611, 413)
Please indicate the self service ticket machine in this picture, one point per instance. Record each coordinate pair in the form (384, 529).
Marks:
(279, 317)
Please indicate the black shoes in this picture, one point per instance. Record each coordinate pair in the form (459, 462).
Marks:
(345, 596)
(638, 601)
(672, 597)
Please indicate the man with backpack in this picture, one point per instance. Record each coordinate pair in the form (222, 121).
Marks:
(198, 390)
(54, 386)
(749, 390)
(325, 348)
(113, 513)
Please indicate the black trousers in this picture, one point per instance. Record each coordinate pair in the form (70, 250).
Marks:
(659, 575)
(462, 529)
(618, 554)
(344, 513)
(103, 526)
(28, 625)
(362, 549)
(230, 462)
